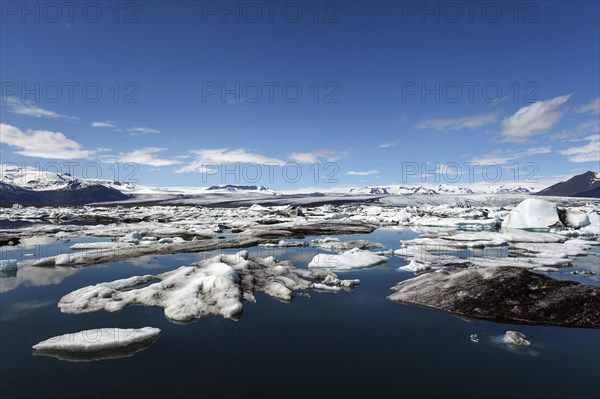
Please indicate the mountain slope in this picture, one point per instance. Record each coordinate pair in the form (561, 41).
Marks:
(583, 185)
(74, 193)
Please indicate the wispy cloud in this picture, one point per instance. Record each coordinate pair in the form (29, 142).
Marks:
(138, 131)
(316, 156)
(583, 129)
(533, 119)
(387, 145)
(500, 157)
(147, 156)
(103, 124)
(589, 152)
(41, 143)
(29, 109)
(465, 122)
(363, 173)
(593, 107)
(225, 156)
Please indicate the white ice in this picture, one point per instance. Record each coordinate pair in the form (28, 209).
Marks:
(532, 213)
(98, 339)
(353, 259)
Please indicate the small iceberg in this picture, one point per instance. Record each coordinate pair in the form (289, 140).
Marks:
(353, 259)
(98, 344)
(415, 267)
(515, 338)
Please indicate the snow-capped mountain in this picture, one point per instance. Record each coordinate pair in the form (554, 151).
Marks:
(30, 178)
(40, 180)
(33, 179)
(242, 188)
(584, 185)
(441, 189)
(502, 189)
(371, 190)
(73, 193)
(393, 190)
(450, 189)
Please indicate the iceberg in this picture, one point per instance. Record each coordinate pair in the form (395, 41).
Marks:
(353, 259)
(215, 286)
(515, 338)
(415, 267)
(504, 294)
(533, 213)
(98, 344)
(335, 244)
(98, 339)
(185, 293)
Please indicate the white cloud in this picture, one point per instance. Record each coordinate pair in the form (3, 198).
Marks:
(315, 156)
(466, 122)
(387, 145)
(583, 129)
(224, 156)
(103, 124)
(146, 156)
(41, 143)
(137, 131)
(363, 173)
(589, 152)
(593, 107)
(533, 119)
(28, 109)
(500, 157)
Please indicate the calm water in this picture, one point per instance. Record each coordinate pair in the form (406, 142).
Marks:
(347, 344)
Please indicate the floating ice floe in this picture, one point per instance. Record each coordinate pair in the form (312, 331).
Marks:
(335, 244)
(98, 339)
(504, 294)
(216, 286)
(98, 344)
(99, 245)
(353, 259)
(515, 338)
(285, 244)
(185, 293)
(456, 223)
(415, 267)
(85, 258)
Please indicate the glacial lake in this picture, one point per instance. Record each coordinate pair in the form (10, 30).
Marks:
(353, 344)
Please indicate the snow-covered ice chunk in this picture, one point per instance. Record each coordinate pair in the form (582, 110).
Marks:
(98, 339)
(185, 293)
(99, 245)
(515, 338)
(335, 244)
(532, 213)
(285, 244)
(353, 259)
(457, 223)
(133, 237)
(415, 267)
(576, 218)
(215, 286)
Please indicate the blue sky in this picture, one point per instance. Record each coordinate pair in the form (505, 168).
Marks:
(202, 93)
